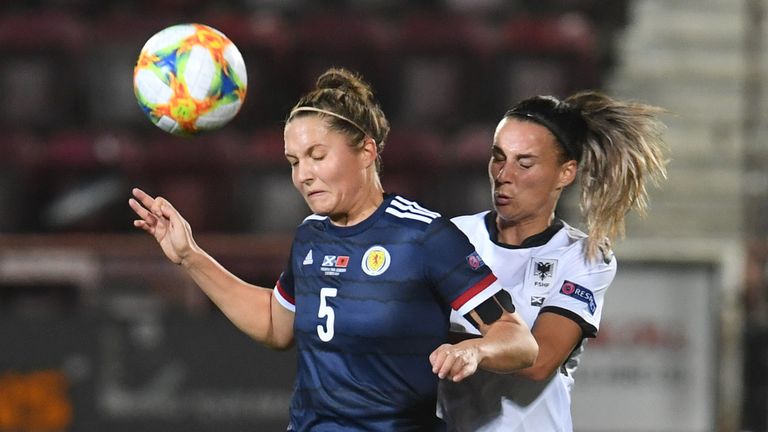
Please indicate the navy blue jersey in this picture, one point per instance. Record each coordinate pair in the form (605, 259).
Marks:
(371, 302)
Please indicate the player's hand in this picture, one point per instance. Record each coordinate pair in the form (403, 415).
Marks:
(455, 362)
(160, 219)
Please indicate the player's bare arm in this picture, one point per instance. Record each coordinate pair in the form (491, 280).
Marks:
(557, 337)
(506, 344)
(251, 308)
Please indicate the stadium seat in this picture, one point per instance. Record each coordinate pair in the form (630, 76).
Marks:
(443, 65)
(547, 55)
(411, 161)
(40, 81)
(267, 44)
(354, 41)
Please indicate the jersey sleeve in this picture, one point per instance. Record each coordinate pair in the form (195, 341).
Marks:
(579, 292)
(455, 269)
(284, 290)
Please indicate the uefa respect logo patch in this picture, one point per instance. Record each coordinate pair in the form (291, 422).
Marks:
(474, 261)
(580, 293)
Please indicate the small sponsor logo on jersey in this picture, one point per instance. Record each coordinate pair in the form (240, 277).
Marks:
(334, 264)
(474, 260)
(376, 261)
(580, 293)
(308, 259)
(537, 301)
(543, 271)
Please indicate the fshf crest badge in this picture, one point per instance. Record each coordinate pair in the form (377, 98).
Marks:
(543, 271)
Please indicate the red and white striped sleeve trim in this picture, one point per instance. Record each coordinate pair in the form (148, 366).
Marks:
(479, 293)
(283, 298)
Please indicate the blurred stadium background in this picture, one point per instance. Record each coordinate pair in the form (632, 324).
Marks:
(98, 332)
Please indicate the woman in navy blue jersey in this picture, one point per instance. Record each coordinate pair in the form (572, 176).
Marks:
(371, 281)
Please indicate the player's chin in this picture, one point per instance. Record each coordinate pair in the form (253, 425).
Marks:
(318, 208)
(505, 211)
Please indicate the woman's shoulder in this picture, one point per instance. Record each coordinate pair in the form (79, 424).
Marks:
(470, 218)
(573, 233)
(309, 224)
(575, 246)
(410, 212)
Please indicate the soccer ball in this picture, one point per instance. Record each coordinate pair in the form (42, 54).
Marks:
(190, 78)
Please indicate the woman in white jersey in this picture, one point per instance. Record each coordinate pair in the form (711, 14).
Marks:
(556, 274)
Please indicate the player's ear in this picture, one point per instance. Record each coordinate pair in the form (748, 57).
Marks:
(369, 151)
(567, 173)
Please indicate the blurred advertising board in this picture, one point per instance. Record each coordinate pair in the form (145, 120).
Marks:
(169, 372)
(653, 366)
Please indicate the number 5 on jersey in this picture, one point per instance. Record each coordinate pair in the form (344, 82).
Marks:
(325, 311)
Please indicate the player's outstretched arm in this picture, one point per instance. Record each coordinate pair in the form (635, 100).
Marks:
(557, 337)
(506, 346)
(251, 308)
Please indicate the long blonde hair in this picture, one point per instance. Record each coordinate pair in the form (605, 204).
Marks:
(619, 147)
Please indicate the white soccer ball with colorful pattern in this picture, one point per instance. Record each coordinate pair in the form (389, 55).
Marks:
(190, 78)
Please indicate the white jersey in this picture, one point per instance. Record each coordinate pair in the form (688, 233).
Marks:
(548, 272)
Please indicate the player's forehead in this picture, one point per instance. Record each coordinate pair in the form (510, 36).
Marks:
(310, 133)
(515, 136)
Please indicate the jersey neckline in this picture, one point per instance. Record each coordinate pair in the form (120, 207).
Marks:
(535, 240)
(346, 231)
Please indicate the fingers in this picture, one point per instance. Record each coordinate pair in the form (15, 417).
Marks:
(152, 211)
(145, 226)
(442, 362)
(142, 211)
(147, 207)
(152, 205)
(463, 372)
(156, 213)
(145, 200)
(453, 363)
(167, 210)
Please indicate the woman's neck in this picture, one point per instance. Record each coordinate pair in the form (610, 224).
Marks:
(361, 210)
(515, 232)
